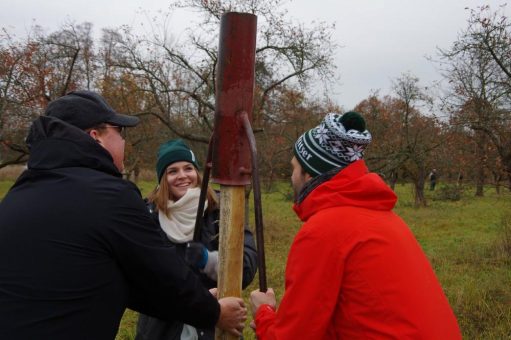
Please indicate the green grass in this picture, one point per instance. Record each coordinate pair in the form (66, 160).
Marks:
(4, 187)
(464, 240)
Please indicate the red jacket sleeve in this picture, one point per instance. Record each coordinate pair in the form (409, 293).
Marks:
(314, 274)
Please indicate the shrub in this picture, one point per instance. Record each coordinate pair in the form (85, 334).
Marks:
(448, 193)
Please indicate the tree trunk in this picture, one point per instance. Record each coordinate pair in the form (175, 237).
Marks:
(481, 157)
(420, 199)
(393, 179)
(507, 166)
(269, 182)
(497, 177)
(459, 180)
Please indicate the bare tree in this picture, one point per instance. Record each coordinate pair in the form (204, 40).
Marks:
(34, 71)
(478, 68)
(181, 76)
(17, 99)
(405, 139)
(170, 84)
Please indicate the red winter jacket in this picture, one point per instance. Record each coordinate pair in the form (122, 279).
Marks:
(355, 270)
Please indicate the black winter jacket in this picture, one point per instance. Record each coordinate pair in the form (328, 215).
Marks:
(150, 328)
(77, 246)
(210, 230)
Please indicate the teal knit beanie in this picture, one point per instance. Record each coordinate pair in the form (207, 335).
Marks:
(175, 150)
(338, 141)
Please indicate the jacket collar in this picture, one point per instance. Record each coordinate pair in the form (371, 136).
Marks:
(352, 186)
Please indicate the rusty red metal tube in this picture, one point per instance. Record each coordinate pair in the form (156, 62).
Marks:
(234, 94)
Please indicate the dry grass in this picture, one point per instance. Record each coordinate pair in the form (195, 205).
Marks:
(11, 172)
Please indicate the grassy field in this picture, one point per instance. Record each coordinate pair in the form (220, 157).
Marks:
(464, 240)
(468, 243)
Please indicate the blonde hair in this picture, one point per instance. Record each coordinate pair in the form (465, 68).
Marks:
(161, 194)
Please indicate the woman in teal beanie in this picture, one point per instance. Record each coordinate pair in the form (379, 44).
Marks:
(173, 204)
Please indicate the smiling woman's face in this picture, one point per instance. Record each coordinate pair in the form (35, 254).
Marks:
(181, 176)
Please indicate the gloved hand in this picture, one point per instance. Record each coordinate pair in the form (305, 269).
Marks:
(196, 255)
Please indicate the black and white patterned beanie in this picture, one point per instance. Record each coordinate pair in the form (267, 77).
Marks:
(338, 141)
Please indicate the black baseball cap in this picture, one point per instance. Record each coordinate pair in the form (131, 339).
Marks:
(86, 109)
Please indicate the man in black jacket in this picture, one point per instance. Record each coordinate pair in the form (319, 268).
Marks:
(77, 245)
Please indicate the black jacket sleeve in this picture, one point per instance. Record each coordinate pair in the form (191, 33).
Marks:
(249, 259)
(210, 239)
(160, 283)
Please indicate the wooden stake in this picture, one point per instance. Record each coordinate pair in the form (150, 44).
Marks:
(230, 270)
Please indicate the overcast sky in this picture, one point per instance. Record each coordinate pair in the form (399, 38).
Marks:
(380, 39)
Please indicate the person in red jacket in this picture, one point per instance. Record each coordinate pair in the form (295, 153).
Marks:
(355, 270)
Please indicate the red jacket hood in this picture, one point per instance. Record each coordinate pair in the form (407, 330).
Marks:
(352, 186)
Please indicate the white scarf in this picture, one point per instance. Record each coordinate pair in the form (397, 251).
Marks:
(181, 224)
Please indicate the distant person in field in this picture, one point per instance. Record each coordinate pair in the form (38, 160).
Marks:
(354, 270)
(77, 243)
(173, 206)
(432, 180)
